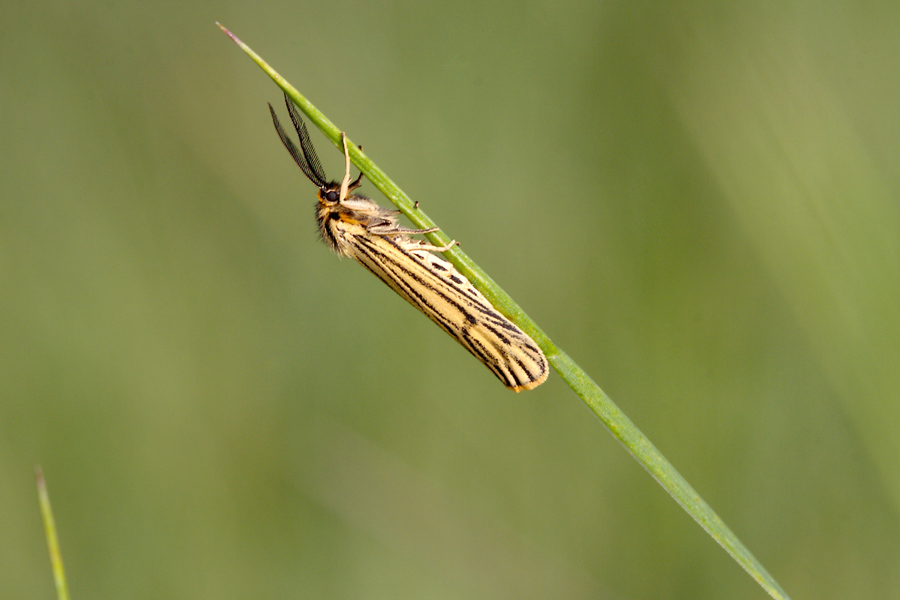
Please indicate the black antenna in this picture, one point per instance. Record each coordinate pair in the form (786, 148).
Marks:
(307, 161)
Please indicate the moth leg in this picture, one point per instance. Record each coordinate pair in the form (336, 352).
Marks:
(345, 183)
(418, 231)
(393, 229)
(432, 248)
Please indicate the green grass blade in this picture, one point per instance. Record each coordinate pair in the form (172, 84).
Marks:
(59, 574)
(599, 403)
(660, 468)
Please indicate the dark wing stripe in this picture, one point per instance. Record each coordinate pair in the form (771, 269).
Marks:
(438, 286)
(375, 260)
(391, 263)
(394, 274)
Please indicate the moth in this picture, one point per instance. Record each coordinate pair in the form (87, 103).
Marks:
(355, 226)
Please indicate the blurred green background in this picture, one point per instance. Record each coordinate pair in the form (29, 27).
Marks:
(700, 203)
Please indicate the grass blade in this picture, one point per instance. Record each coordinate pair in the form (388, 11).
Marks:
(59, 573)
(574, 376)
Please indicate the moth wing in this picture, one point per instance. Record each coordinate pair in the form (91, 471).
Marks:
(437, 289)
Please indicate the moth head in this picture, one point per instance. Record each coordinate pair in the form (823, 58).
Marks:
(306, 158)
(330, 193)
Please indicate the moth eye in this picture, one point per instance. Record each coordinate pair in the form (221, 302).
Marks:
(332, 196)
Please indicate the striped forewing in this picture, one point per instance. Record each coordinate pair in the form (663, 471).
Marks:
(436, 288)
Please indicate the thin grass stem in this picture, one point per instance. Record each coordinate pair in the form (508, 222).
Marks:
(597, 401)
